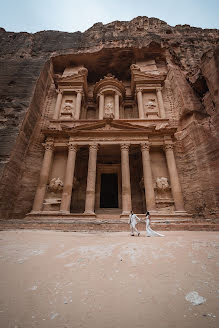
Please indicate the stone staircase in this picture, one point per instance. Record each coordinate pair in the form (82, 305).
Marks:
(108, 222)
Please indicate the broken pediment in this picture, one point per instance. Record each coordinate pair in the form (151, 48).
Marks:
(142, 76)
(76, 78)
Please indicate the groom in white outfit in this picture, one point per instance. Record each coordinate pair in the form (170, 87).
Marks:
(133, 221)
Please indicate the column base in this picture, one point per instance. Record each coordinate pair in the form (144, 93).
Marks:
(34, 212)
(90, 213)
(64, 212)
(125, 214)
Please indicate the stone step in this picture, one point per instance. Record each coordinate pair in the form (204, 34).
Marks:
(101, 225)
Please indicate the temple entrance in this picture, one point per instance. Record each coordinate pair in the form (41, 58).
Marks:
(109, 190)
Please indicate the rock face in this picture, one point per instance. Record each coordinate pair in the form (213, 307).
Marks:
(28, 63)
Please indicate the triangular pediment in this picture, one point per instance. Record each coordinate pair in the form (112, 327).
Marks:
(108, 126)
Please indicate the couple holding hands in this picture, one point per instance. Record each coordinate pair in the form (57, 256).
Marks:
(133, 222)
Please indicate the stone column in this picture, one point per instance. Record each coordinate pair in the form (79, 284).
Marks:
(78, 105)
(44, 175)
(126, 185)
(101, 105)
(140, 103)
(174, 178)
(69, 176)
(160, 102)
(148, 179)
(116, 106)
(58, 105)
(91, 179)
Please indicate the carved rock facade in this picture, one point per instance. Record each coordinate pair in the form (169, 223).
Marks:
(128, 119)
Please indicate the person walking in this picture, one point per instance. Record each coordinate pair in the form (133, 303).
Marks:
(149, 231)
(133, 221)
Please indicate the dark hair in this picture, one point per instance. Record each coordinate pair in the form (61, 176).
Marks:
(147, 213)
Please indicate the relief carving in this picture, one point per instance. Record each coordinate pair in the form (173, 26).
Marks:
(68, 109)
(151, 106)
(109, 108)
(55, 185)
(162, 184)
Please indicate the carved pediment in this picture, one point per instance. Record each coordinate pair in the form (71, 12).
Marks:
(144, 78)
(73, 79)
(107, 126)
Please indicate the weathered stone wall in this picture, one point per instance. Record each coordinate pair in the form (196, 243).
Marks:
(191, 88)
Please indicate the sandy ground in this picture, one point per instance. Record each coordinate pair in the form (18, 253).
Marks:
(66, 279)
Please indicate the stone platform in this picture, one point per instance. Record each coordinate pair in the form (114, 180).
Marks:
(107, 222)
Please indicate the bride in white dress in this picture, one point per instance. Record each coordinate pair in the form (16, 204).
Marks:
(149, 231)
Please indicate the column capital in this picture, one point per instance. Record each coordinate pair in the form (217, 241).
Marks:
(125, 146)
(94, 146)
(79, 91)
(49, 144)
(159, 88)
(100, 94)
(145, 145)
(168, 146)
(58, 91)
(139, 89)
(72, 147)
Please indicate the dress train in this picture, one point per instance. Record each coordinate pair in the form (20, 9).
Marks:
(150, 232)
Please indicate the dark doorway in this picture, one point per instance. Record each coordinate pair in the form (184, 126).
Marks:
(109, 190)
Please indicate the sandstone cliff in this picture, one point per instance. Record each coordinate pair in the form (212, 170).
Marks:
(26, 67)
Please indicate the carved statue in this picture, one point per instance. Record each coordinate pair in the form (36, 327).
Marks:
(68, 108)
(162, 184)
(55, 185)
(109, 110)
(151, 104)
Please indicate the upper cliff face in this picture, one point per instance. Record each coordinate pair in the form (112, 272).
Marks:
(187, 44)
(24, 80)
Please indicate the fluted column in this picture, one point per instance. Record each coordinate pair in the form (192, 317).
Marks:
(69, 177)
(126, 185)
(148, 179)
(58, 105)
(140, 103)
(44, 175)
(160, 102)
(78, 105)
(101, 105)
(91, 179)
(116, 106)
(174, 178)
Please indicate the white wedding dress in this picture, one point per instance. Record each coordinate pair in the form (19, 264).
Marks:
(150, 232)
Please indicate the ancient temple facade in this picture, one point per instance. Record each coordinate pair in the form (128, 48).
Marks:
(121, 117)
(109, 146)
